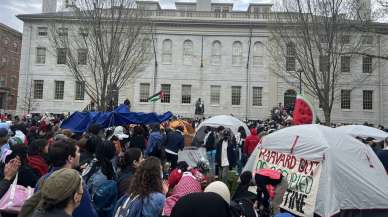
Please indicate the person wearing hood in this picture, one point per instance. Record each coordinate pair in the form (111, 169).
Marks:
(251, 142)
(60, 195)
(213, 202)
(174, 143)
(155, 142)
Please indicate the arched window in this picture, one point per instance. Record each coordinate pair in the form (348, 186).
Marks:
(289, 99)
(187, 52)
(167, 51)
(216, 53)
(290, 58)
(258, 49)
(237, 53)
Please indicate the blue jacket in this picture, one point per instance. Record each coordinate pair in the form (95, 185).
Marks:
(153, 140)
(151, 206)
(85, 209)
(175, 141)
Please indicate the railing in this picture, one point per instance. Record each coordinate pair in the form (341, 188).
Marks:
(210, 14)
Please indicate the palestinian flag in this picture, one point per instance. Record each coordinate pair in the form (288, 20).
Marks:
(156, 96)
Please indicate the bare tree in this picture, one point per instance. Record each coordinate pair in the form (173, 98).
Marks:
(28, 102)
(308, 42)
(104, 43)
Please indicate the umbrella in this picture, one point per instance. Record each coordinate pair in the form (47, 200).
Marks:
(226, 121)
(188, 129)
(363, 131)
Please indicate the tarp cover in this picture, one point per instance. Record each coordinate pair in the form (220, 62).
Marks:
(352, 177)
(225, 120)
(363, 131)
(80, 121)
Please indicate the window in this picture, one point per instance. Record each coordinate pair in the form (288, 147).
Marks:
(63, 32)
(367, 99)
(3, 79)
(83, 32)
(367, 39)
(215, 92)
(186, 94)
(237, 53)
(187, 52)
(38, 89)
(167, 52)
(323, 38)
(79, 90)
(345, 63)
(257, 96)
(166, 88)
(144, 92)
(216, 53)
(41, 55)
(42, 31)
(82, 56)
(59, 89)
(6, 41)
(4, 60)
(345, 99)
(290, 58)
(217, 12)
(324, 65)
(345, 39)
(367, 64)
(15, 45)
(258, 54)
(236, 95)
(61, 55)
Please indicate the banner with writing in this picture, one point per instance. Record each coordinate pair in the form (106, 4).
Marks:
(302, 176)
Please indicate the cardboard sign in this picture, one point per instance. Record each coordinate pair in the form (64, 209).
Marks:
(302, 176)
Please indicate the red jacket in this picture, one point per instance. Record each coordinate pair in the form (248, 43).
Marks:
(38, 164)
(251, 142)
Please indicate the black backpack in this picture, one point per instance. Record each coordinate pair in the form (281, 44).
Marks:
(242, 208)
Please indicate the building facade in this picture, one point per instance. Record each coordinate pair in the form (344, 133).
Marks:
(206, 51)
(10, 46)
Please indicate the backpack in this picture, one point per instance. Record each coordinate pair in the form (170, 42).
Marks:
(128, 206)
(104, 198)
(242, 208)
(158, 150)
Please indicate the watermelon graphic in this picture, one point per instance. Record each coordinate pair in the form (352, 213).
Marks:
(303, 111)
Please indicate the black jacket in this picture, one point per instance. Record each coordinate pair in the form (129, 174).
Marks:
(232, 152)
(138, 141)
(210, 142)
(174, 141)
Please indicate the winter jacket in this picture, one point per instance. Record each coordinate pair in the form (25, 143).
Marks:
(38, 164)
(27, 176)
(153, 204)
(4, 186)
(51, 213)
(153, 140)
(174, 141)
(232, 153)
(138, 141)
(210, 142)
(124, 180)
(251, 142)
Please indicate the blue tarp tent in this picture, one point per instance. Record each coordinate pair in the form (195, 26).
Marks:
(79, 122)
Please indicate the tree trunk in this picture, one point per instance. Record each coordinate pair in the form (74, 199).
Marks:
(327, 114)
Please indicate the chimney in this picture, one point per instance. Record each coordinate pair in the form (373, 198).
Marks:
(49, 6)
(203, 5)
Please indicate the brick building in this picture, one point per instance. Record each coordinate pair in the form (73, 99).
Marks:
(10, 46)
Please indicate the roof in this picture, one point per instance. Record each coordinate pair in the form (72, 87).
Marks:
(261, 2)
(224, 2)
(10, 30)
(185, 1)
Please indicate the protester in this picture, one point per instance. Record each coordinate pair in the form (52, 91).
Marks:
(210, 144)
(87, 154)
(251, 142)
(128, 164)
(4, 144)
(62, 154)
(26, 175)
(60, 195)
(243, 200)
(176, 174)
(138, 140)
(213, 202)
(240, 141)
(155, 143)
(9, 172)
(174, 142)
(37, 156)
(147, 192)
(119, 139)
(383, 155)
(225, 155)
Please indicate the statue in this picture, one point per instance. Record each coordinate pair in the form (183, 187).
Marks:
(199, 107)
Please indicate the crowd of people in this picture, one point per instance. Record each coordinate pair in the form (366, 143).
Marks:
(133, 171)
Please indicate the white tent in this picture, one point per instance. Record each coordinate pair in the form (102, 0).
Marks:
(363, 131)
(224, 120)
(351, 176)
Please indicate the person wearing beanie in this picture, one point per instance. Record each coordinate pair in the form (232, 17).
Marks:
(219, 188)
(60, 195)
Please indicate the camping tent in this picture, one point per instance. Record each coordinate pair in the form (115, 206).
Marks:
(329, 173)
(220, 120)
(80, 121)
(363, 131)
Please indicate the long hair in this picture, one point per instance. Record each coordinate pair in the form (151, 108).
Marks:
(105, 152)
(147, 178)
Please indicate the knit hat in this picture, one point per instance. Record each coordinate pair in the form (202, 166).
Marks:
(219, 188)
(60, 185)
